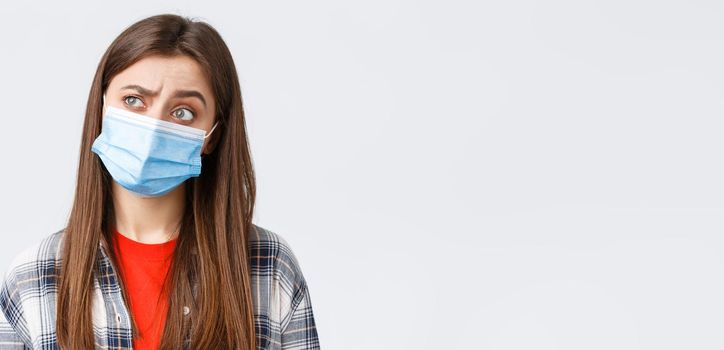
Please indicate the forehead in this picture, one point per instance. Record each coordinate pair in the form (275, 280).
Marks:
(165, 74)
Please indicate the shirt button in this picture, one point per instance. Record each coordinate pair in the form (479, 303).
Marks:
(186, 310)
(118, 318)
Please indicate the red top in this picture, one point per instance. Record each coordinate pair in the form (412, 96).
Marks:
(143, 270)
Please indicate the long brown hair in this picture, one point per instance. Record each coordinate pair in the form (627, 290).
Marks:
(210, 267)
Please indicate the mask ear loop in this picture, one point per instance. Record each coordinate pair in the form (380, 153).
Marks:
(212, 130)
(209, 133)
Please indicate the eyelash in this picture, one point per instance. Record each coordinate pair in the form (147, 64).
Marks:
(140, 99)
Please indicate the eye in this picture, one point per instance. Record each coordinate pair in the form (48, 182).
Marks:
(134, 101)
(184, 114)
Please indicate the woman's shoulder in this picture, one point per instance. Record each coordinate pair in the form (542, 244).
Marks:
(264, 238)
(271, 255)
(44, 253)
(281, 290)
(28, 290)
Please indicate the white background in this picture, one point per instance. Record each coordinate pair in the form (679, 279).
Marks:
(450, 174)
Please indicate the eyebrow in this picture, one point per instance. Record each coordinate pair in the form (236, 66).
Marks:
(179, 93)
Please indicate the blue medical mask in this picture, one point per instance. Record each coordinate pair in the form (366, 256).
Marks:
(148, 156)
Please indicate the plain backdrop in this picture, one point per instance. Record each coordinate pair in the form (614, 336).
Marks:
(450, 174)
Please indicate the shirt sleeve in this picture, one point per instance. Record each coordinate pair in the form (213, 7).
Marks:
(9, 339)
(11, 317)
(300, 332)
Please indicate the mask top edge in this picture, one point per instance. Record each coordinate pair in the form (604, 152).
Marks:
(146, 120)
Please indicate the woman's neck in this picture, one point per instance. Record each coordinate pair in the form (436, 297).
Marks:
(148, 220)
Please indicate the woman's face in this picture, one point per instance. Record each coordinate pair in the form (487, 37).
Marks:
(173, 89)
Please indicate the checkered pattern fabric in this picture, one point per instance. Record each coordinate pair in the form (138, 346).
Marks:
(282, 305)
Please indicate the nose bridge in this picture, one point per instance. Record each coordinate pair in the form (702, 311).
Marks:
(156, 111)
(158, 108)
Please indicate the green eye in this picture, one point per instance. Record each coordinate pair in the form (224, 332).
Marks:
(184, 114)
(134, 101)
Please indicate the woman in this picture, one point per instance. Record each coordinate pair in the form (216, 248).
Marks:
(159, 251)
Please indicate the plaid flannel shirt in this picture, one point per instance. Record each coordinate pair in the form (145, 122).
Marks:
(282, 307)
